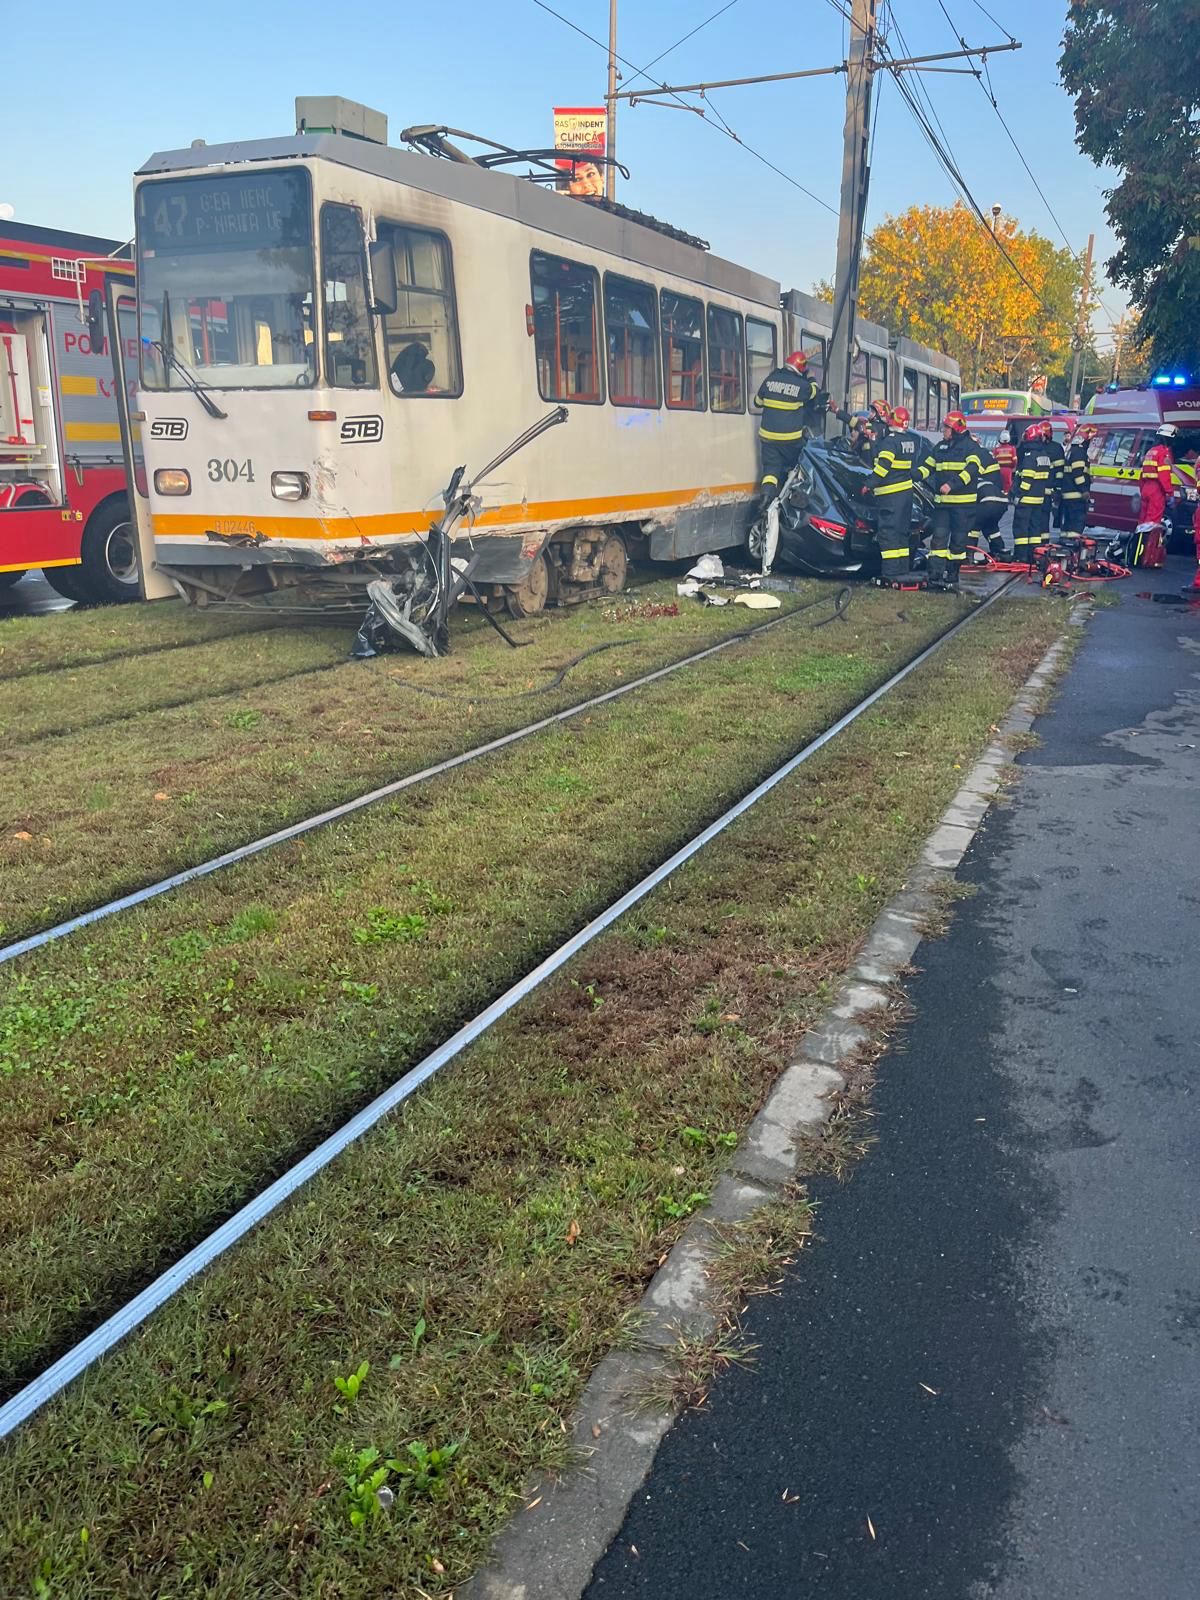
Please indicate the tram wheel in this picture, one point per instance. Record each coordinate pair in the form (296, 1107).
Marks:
(613, 565)
(527, 598)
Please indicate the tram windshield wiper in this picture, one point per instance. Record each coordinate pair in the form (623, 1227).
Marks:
(166, 349)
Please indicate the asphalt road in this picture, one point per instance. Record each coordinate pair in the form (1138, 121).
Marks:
(30, 597)
(1023, 1238)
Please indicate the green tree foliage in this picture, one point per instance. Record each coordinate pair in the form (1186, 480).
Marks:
(1134, 68)
(934, 275)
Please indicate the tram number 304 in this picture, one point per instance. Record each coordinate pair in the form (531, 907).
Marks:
(229, 470)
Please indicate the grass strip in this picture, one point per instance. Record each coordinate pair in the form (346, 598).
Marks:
(159, 1068)
(108, 693)
(82, 635)
(96, 814)
(422, 1319)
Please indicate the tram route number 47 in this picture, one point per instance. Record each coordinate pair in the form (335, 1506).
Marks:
(229, 470)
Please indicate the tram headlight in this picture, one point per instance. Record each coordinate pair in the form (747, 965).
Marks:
(289, 485)
(172, 480)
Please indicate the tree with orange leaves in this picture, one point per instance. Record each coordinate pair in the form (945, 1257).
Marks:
(934, 275)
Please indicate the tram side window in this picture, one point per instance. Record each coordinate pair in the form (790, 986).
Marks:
(420, 337)
(760, 353)
(879, 378)
(952, 390)
(813, 346)
(908, 396)
(631, 327)
(349, 335)
(935, 412)
(726, 384)
(858, 382)
(683, 351)
(566, 336)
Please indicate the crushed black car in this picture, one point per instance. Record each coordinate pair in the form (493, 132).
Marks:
(826, 523)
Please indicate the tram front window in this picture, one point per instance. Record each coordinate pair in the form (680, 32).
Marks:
(225, 280)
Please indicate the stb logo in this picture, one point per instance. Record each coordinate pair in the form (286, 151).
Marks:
(362, 430)
(169, 428)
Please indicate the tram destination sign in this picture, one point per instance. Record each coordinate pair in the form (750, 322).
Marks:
(232, 210)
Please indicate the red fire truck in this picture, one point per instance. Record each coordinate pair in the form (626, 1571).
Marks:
(63, 501)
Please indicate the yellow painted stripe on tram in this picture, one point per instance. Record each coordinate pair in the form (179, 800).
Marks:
(93, 432)
(25, 566)
(77, 383)
(182, 525)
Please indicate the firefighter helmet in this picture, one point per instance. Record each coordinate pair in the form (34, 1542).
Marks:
(882, 411)
(900, 416)
(1168, 430)
(797, 360)
(1083, 432)
(955, 421)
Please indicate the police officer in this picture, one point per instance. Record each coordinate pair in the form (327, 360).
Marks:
(1033, 489)
(790, 402)
(991, 502)
(953, 468)
(1074, 496)
(893, 459)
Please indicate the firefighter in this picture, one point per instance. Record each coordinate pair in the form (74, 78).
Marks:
(1005, 454)
(788, 399)
(893, 460)
(1033, 489)
(1157, 483)
(991, 502)
(862, 431)
(1074, 497)
(1058, 467)
(953, 467)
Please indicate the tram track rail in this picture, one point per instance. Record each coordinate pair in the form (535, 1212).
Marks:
(244, 852)
(26, 1401)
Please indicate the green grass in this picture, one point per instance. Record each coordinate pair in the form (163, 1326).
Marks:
(78, 637)
(111, 692)
(92, 815)
(476, 1255)
(158, 1068)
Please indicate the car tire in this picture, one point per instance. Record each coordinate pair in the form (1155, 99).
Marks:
(109, 554)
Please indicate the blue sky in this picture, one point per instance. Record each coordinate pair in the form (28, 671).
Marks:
(231, 70)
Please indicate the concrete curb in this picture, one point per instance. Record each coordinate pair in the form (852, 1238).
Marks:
(549, 1551)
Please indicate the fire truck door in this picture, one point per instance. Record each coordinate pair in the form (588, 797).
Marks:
(121, 318)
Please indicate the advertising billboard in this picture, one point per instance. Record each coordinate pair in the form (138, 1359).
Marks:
(580, 130)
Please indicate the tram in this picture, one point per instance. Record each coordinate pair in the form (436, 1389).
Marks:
(330, 327)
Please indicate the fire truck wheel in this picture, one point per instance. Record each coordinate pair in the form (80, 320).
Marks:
(68, 582)
(109, 552)
(7, 579)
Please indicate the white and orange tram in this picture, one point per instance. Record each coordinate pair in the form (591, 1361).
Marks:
(329, 327)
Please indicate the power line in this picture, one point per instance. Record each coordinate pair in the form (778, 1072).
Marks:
(690, 35)
(992, 19)
(719, 127)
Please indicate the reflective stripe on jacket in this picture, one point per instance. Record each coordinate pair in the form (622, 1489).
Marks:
(786, 398)
(892, 461)
(1156, 467)
(956, 462)
(1034, 480)
(1077, 473)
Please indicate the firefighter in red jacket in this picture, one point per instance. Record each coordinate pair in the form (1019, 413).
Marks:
(1005, 457)
(1157, 483)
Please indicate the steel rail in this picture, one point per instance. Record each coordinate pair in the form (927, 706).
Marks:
(111, 1332)
(295, 830)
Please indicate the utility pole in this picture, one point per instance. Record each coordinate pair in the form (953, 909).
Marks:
(1085, 291)
(610, 136)
(856, 177)
(1118, 349)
